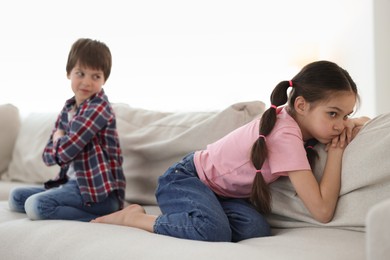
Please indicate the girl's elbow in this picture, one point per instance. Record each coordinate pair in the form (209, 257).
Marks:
(324, 219)
(325, 216)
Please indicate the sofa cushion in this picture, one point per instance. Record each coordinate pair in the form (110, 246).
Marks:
(10, 124)
(27, 164)
(153, 141)
(76, 240)
(150, 140)
(365, 181)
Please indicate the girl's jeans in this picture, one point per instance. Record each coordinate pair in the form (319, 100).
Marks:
(64, 202)
(191, 210)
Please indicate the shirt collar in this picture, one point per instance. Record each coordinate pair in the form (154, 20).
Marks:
(72, 101)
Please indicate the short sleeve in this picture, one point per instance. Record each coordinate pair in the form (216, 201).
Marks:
(286, 152)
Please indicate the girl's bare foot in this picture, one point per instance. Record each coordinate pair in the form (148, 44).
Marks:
(122, 216)
(132, 216)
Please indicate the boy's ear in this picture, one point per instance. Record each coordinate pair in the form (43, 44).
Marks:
(301, 105)
(68, 75)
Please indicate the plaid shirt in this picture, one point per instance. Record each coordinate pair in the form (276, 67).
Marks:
(91, 142)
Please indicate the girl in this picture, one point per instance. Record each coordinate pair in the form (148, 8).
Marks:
(84, 143)
(221, 193)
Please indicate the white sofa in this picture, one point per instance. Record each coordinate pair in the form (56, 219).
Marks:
(151, 141)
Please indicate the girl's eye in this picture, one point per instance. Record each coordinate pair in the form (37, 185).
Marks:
(346, 117)
(96, 77)
(332, 114)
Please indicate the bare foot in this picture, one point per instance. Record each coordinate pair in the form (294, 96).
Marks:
(132, 216)
(121, 217)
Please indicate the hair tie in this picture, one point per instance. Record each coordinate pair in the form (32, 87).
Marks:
(258, 171)
(273, 106)
(291, 83)
(309, 147)
(262, 136)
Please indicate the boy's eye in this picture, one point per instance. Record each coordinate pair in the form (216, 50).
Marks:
(79, 73)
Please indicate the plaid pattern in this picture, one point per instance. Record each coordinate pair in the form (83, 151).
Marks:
(91, 142)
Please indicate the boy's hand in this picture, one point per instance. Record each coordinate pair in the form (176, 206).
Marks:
(58, 134)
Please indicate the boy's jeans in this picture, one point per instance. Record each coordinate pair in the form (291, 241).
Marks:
(64, 202)
(191, 210)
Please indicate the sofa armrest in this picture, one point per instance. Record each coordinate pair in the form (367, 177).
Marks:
(378, 231)
(9, 128)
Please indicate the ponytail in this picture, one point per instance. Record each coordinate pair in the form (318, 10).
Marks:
(311, 154)
(260, 194)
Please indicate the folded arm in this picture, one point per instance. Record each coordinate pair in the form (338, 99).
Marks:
(320, 198)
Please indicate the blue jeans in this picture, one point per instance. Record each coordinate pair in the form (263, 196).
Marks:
(192, 210)
(64, 202)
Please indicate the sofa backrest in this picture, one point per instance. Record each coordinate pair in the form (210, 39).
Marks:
(150, 141)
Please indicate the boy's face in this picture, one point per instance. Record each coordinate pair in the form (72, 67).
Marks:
(85, 82)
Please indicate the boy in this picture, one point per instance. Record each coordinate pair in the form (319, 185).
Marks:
(84, 143)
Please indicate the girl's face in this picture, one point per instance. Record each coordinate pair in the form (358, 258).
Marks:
(326, 120)
(85, 82)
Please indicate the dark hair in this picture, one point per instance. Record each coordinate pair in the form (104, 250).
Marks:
(90, 53)
(316, 82)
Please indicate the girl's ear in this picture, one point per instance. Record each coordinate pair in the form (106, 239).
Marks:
(300, 105)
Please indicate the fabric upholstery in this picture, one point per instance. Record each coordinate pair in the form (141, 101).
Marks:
(150, 140)
(9, 128)
(365, 181)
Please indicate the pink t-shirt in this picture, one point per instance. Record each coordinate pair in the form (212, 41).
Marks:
(225, 166)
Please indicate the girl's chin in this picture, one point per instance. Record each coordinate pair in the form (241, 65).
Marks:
(324, 141)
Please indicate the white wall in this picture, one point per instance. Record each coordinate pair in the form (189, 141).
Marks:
(382, 54)
(182, 55)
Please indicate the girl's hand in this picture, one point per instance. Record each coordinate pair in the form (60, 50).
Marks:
(339, 142)
(58, 134)
(353, 126)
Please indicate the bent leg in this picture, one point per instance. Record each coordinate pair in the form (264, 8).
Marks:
(65, 202)
(19, 195)
(245, 221)
(189, 208)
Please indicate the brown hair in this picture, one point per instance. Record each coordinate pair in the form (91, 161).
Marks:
(316, 82)
(90, 53)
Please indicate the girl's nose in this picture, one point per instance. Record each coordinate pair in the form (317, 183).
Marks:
(339, 126)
